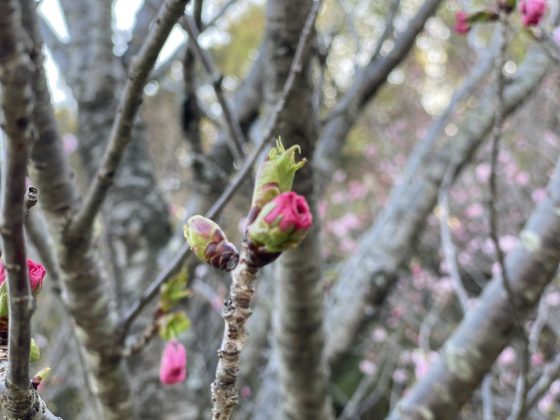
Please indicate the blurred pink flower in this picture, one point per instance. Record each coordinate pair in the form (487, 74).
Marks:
(474, 210)
(508, 243)
(507, 357)
(532, 11)
(522, 178)
(461, 22)
(482, 172)
(173, 366)
(357, 190)
(379, 334)
(538, 195)
(556, 35)
(69, 143)
(537, 359)
(367, 367)
(400, 376)
(553, 298)
(246, 392)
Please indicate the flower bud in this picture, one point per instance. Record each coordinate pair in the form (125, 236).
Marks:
(462, 25)
(276, 174)
(40, 376)
(532, 11)
(36, 274)
(209, 243)
(173, 366)
(281, 224)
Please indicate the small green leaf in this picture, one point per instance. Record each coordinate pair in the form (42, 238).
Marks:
(35, 351)
(172, 292)
(171, 325)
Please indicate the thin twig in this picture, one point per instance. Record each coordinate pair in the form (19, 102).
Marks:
(120, 137)
(236, 137)
(389, 26)
(268, 134)
(521, 387)
(449, 250)
(487, 398)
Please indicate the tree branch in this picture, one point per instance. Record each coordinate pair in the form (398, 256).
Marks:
(368, 275)
(474, 346)
(17, 398)
(122, 126)
(16, 70)
(236, 139)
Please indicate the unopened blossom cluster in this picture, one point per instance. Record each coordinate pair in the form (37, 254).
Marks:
(530, 11)
(278, 219)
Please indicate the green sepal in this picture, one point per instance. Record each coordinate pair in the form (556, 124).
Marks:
(171, 325)
(4, 309)
(35, 351)
(174, 290)
(276, 174)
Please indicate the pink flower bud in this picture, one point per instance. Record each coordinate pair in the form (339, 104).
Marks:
(281, 224)
(36, 274)
(532, 11)
(173, 366)
(462, 25)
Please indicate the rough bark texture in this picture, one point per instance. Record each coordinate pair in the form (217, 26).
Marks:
(298, 318)
(237, 310)
(474, 346)
(16, 71)
(85, 280)
(369, 274)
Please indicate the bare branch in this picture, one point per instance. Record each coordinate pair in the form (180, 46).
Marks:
(16, 70)
(236, 137)
(474, 346)
(17, 398)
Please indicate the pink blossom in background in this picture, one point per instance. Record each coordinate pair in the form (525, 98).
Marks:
(532, 11)
(422, 362)
(343, 225)
(552, 299)
(246, 392)
(482, 172)
(508, 243)
(556, 35)
(546, 403)
(522, 178)
(371, 150)
(173, 365)
(537, 359)
(462, 25)
(339, 175)
(507, 357)
(400, 376)
(347, 245)
(367, 367)
(322, 209)
(357, 190)
(379, 334)
(474, 210)
(69, 143)
(338, 197)
(550, 137)
(538, 195)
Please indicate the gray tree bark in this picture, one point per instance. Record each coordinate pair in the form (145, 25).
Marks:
(474, 346)
(368, 275)
(298, 318)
